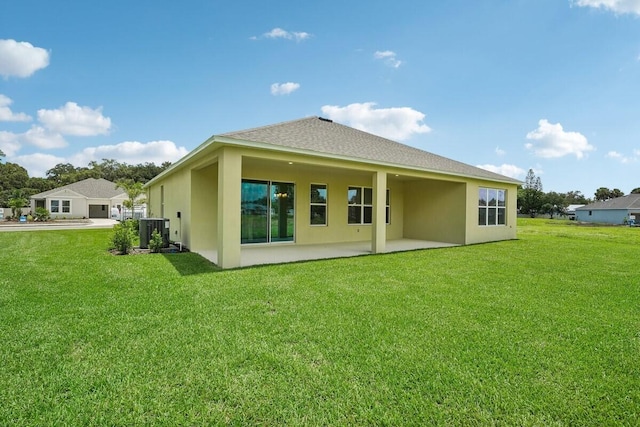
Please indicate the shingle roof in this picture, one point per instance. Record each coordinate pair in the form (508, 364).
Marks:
(91, 188)
(630, 201)
(326, 137)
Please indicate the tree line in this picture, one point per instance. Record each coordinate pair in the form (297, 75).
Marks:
(532, 200)
(16, 182)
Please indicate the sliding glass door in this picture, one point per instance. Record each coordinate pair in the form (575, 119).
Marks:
(267, 211)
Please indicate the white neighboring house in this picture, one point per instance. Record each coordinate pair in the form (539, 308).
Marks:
(570, 211)
(89, 198)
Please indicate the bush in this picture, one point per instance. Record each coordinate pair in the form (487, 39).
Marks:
(155, 243)
(42, 214)
(134, 225)
(122, 239)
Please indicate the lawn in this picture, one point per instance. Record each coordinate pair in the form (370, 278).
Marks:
(543, 330)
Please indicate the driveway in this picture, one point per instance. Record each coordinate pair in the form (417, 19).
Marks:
(91, 223)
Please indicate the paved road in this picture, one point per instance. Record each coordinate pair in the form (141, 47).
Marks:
(94, 223)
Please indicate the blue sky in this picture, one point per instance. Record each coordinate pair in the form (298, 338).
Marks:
(508, 85)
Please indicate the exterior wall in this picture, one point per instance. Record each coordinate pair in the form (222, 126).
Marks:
(492, 233)
(204, 208)
(79, 207)
(423, 205)
(177, 193)
(337, 182)
(603, 216)
(435, 210)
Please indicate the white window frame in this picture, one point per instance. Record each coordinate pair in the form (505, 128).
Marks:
(364, 205)
(318, 204)
(60, 206)
(487, 207)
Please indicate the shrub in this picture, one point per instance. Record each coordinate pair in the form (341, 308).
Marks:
(155, 243)
(134, 225)
(42, 214)
(122, 239)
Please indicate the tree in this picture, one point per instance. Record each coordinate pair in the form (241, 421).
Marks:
(635, 190)
(575, 198)
(134, 190)
(12, 177)
(17, 202)
(62, 174)
(553, 203)
(603, 193)
(530, 196)
(616, 193)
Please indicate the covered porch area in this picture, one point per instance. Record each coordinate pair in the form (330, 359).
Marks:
(251, 255)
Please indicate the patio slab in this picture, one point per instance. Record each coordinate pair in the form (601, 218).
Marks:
(279, 253)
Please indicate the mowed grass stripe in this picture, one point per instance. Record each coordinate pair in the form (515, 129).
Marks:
(541, 330)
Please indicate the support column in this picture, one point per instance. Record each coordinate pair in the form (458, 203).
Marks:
(379, 230)
(229, 188)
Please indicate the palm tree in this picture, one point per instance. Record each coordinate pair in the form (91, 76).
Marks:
(134, 190)
(16, 203)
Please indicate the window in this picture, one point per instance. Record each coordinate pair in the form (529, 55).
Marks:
(60, 206)
(360, 209)
(318, 206)
(267, 211)
(161, 201)
(491, 206)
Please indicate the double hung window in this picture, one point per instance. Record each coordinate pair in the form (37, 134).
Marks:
(360, 210)
(318, 205)
(60, 206)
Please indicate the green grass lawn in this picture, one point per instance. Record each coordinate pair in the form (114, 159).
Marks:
(543, 330)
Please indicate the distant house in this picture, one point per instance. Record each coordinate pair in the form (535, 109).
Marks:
(313, 182)
(570, 211)
(89, 198)
(612, 211)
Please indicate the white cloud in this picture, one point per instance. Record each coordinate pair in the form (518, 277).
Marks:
(284, 88)
(551, 141)
(398, 123)
(43, 138)
(279, 33)
(9, 143)
(500, 152)
(131, 152)
(6, 115)
(38, 164)
(622, 158)
(72, 119)
(389, 58)
(21, 59)
(38, 136)
(511, 171)
(616, 6)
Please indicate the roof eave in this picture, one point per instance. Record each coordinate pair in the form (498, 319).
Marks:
(182, 161)
(229, 141)
(265, 146)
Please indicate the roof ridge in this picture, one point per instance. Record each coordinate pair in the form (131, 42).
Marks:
(286, 122)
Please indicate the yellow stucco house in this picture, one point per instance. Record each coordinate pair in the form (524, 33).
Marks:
(313, 182)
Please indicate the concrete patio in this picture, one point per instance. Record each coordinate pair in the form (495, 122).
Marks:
(288, 252)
